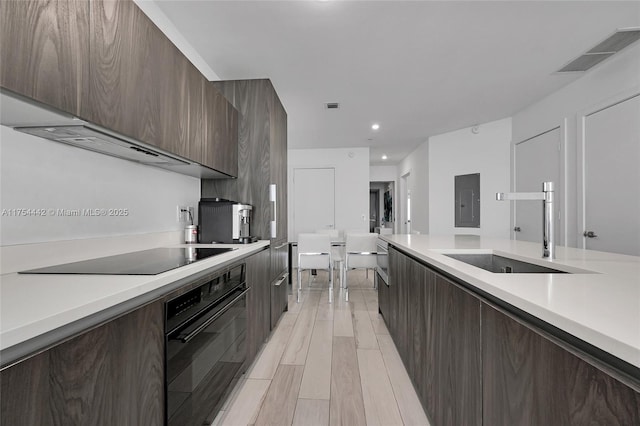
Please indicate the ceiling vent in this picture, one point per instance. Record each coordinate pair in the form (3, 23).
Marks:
(603, 50)
(332, 105)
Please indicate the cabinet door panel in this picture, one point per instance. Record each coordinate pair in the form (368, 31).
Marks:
(44, 51)
(278, 166)
(529, 380)
(422, 350)
(220, 148)
(258, 302)
(400, 281)
(140, 83)
(458, 370)
(111, 375)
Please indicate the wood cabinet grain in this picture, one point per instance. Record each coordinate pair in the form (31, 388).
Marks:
(279, 287)
(129, 58)
(278, 165)
(262, 157)
(220, 145)
(529, 380)
(258, 303)
(458, 391)
(113, 374)
(44, 51)
(422, 335)
(399, 283)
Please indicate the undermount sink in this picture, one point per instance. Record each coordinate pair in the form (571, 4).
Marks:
(503, 265)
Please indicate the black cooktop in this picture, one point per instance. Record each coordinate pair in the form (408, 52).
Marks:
(146, 262)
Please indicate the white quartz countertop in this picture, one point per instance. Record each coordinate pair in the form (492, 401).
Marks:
(599, 302)
(34, 305)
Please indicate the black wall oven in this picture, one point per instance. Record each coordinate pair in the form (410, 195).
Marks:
(205, 331)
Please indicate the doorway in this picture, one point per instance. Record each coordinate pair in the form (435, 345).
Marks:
(374, 209)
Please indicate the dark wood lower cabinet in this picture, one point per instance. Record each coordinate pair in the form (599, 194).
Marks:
(258, 302)
(399, 283)
(422, 350)
(457, 378)
(530, 380)
(473, 364)
(112, 375)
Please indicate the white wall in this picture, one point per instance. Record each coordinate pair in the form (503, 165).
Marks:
(383, 173)
(608, 82)
(417, 164)
(352, 183)
(462, 152)
(41, 174)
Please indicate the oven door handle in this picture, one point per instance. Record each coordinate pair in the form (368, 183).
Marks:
(207, 323)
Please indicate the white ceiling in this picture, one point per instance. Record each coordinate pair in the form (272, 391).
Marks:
(419, 68)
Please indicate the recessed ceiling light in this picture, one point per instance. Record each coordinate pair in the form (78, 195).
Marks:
(384, 156)
(375, 126)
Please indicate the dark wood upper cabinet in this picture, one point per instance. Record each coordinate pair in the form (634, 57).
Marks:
(142, 86)
(530, 380)
(220, 145)
(44, 50)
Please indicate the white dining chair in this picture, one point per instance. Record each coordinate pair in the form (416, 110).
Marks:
(337, 252)
(314, 252)
(360, 253)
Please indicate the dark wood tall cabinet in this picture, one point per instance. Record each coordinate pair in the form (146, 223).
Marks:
(111, 375)
(44, 50)
(262, 156)
(262, 161)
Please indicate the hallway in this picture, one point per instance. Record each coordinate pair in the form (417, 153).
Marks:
(327, 364)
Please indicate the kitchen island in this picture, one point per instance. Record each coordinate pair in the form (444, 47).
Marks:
(529, 348)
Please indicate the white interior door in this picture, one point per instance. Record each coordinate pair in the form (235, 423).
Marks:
(314, 199)
(537, 161)
(612, 178)
(405, 212)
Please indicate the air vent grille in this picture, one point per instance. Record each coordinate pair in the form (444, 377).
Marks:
(603, 50)
(332, 105)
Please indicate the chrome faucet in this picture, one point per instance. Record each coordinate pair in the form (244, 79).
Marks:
(548, 232)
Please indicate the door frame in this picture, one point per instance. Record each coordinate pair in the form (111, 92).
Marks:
(581, 187)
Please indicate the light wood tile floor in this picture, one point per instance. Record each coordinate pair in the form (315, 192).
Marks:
(327, 364)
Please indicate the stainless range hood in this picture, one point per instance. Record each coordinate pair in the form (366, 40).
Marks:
(27, 116)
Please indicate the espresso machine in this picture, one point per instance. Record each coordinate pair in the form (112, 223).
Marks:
(224, 221)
